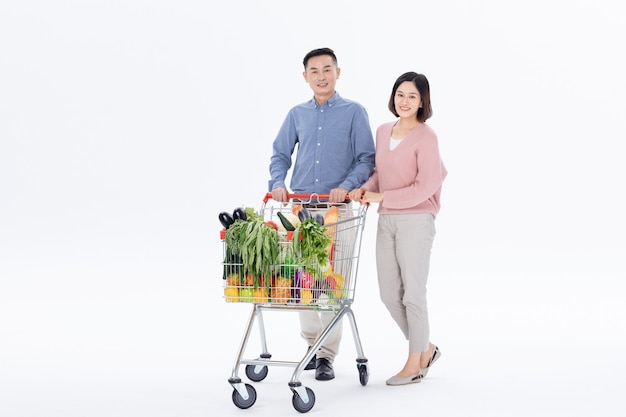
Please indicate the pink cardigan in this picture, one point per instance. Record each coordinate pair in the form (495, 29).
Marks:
(411, 175)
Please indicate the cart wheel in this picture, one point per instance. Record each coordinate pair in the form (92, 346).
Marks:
(300, 405)
(251, 372)
(242, 403)
(363, 376)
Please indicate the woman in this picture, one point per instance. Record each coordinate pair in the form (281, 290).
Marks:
(406, 185)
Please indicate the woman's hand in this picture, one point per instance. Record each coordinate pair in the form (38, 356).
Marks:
(371, 197)
(357, 194)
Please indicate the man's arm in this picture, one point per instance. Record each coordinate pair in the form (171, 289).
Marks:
(282, 150)
(364, 151)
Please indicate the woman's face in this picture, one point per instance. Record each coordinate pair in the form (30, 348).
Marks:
(407, 100)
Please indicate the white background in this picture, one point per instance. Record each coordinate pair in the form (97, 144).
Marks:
(127, 126)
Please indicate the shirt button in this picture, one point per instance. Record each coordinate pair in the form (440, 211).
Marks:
(316, 180)
(317, 162)
(319, 128)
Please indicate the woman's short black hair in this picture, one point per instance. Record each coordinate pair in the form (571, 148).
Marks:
(421, 83)
(318, 52)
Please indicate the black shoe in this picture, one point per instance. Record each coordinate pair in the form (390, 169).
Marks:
(324, 370)
(311, 364)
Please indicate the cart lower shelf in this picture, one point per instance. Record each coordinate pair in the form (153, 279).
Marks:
(303, 398)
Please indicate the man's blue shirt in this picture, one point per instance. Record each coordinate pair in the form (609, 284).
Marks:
(335, 147)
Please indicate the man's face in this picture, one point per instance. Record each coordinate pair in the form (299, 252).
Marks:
(321, 73)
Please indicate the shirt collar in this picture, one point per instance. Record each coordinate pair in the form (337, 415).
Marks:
(329, 103)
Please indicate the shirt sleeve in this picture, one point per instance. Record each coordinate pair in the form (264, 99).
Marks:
(372, 183)
(282, 150)
(363, 149)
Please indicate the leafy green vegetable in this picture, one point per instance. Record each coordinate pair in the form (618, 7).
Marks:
(252, 214)
(256, 244)
(286, 263)
(311, 247)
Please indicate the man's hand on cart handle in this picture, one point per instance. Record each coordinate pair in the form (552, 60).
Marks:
(338, 195)
(280, 194)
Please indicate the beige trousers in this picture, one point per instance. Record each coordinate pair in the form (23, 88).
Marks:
(313, 323)
(403, 247)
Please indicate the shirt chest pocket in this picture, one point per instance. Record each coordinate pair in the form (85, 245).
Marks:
(334, 137)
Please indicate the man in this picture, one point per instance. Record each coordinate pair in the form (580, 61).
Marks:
(335, 155)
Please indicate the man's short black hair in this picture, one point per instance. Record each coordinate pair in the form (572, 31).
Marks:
(318, 52)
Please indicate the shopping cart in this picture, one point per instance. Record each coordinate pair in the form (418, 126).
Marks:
(294, 282)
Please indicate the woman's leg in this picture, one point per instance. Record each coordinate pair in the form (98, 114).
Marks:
(414, 241)
(389, 280)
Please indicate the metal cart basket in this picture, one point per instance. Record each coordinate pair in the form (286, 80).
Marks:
(295, 283)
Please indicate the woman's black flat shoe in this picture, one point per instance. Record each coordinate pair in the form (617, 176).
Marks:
(433, 359)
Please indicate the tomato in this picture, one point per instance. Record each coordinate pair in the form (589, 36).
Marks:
(272, 224)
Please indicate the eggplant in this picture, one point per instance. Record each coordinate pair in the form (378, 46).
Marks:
(240, 214)
(304, 214)
(226, 219)
(297, 283)
(319, 218)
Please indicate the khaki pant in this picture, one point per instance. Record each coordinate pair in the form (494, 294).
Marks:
(403, 247)
(312, 323)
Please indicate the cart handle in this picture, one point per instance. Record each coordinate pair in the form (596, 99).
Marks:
(308, 197)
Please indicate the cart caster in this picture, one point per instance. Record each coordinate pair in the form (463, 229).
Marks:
(244, 403)
(256, 373)
(363, 374)
(298, 402)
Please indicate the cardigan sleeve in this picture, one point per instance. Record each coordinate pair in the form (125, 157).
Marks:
(372, 183)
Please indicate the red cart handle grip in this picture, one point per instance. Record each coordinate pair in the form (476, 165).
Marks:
(309, 197)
